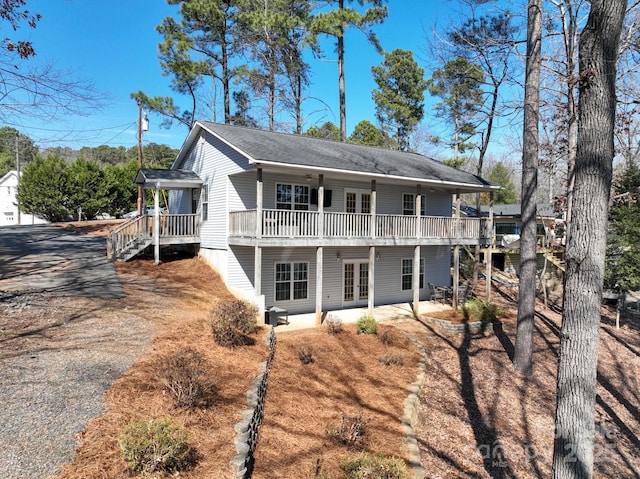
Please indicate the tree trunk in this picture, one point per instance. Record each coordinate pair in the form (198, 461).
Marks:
(577, 367)
(523, 353)
(343, 100)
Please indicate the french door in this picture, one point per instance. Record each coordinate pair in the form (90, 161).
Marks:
(355, 282)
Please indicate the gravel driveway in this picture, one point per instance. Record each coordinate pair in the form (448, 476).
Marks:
(67, 331)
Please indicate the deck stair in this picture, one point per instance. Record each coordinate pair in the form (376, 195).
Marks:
(133, 236)
(128, 239)
(557, 261)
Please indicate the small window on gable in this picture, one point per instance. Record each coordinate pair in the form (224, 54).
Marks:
(409, 204)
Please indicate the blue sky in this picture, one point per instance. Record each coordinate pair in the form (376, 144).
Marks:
(113, 44)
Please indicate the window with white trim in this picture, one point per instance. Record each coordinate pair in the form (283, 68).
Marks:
(406, 273)
(409, 204)
(292, 197)
(291, 281)
(205, 202)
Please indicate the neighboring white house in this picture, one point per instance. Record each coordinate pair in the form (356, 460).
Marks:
(8, 209)
(308, 225)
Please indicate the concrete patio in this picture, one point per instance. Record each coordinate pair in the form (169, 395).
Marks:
(380, 313)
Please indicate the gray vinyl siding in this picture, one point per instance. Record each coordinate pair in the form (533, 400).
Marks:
(388, 279)
(240, 268)
(214, 161)
(271, 256)
(389, 197)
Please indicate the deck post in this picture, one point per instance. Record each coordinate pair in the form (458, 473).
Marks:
(257, 270)
(488, 257)
(319, 267)
(320, 206)
(156, 225)
(372, 280)
(416, 255)
(259, 200)
(374, 201)
(456, 256)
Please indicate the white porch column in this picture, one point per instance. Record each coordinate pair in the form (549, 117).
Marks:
(488, 257)
(416, 255)
(374, 208)
(259, 200)
(372, 280)
(319, 274)
(320, 206)
(156, 225)
(257, 253)
(456, 256)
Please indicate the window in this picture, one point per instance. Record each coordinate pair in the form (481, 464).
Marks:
(205, 202)
(409, 204)
(507, 229)
(292, 281)
(292, 197)
(407, 273)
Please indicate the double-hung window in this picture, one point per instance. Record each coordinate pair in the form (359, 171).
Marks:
(292, 197)
(407, 273)
(204, 192)
(409, 204)
(291, 281)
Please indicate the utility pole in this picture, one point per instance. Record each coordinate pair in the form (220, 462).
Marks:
(139, 156)
(143, 125)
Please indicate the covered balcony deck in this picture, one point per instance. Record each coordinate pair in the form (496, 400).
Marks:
(299, 228)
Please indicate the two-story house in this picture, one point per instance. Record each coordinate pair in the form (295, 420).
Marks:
(311, 225)
(9, 213)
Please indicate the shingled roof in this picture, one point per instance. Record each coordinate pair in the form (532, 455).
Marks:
(266, 147)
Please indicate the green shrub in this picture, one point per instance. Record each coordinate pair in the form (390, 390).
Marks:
(232, 321)
(185, 375)
(374, 466)
(367, 325)
(155, 445)
(478, 310)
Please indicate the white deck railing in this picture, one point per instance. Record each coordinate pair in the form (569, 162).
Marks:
(305, 224)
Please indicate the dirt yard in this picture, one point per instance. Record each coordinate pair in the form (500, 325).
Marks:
(477, 418)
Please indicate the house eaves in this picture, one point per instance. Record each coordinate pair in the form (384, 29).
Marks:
(284, 150)
(150, 178)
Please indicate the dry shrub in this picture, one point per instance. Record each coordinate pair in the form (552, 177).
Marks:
(392, 360)
(374, 466)
(305, 354)
(184, 374)
(333, 324)
(232, 321)
(156, 445)
(389, 337)
(350, 432)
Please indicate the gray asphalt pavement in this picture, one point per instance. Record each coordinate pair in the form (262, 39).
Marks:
(55, 371)
(46, 258)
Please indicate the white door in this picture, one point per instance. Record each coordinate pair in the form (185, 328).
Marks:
(355, 282)
(357, 201)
